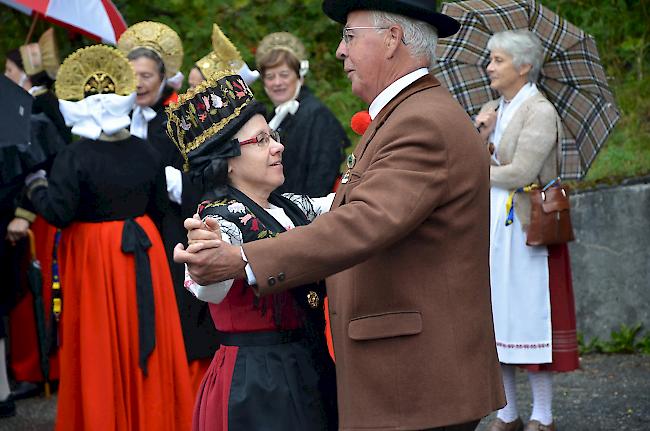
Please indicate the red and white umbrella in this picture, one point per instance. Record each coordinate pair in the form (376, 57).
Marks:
(97, 19)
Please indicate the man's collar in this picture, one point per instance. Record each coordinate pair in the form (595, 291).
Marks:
(393, 90)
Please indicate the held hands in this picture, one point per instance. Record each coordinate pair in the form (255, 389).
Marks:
(208, 258)
(17, 230)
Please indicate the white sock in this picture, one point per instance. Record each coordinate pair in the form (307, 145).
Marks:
(541, 383)
(4, 381)
(509, 413)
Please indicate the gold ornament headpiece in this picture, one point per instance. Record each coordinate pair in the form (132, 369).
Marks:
(281, 40)
(41, 56)
(157, 37)
(224, 55)
(97, 69)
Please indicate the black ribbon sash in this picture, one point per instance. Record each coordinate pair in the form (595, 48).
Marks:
(136, 241)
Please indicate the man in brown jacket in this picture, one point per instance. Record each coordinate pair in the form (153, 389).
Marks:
(405, 245)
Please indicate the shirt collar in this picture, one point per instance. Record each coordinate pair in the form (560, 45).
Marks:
(393, 90)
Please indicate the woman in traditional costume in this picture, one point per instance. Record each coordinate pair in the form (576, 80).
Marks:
(224, 55)
(156, 53)
(315, 140)
(34, 67)
(123, 364)
(532, 296)
(273, 370)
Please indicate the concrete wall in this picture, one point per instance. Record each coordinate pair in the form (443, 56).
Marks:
(611, 258)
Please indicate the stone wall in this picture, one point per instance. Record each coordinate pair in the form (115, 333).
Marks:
(611, 258)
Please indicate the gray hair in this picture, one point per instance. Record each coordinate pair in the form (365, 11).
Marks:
(152, 55)
(523, 46)
(419, 37)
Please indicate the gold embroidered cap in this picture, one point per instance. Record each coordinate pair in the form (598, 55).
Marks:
(97, 69)
(280, 40)
(204, 120)
(157, 37)
(41, 56)
(224, 55)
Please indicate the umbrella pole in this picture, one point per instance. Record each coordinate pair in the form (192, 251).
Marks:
(31, 28)
(46, 386)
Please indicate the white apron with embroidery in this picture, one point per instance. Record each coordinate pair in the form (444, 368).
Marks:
(518, 273)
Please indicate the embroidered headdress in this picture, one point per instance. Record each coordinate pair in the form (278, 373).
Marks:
(205, 119)
(158, 38)
(41, 56)
(284, 41)
(97, 69)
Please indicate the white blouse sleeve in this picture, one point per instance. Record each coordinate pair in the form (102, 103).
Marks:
(215, 292)
(312, 207)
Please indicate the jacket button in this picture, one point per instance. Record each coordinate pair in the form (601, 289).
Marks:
(281, 276)
(271, 281)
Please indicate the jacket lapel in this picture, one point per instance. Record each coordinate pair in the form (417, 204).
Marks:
(423, 83)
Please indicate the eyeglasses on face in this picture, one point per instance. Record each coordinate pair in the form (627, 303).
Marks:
(263, 139)
(347, 36)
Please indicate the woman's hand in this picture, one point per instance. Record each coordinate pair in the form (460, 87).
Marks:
(485, 123)
(17, 230)
(200, 231)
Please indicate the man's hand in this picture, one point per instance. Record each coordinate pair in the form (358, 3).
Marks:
(17, 230)
(208, 258)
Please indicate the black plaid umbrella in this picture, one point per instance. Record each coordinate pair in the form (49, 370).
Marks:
(572, 77)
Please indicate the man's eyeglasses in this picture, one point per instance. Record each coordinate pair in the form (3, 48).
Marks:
(263, 139)
(347, 36)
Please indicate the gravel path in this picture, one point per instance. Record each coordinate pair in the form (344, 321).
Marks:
(610, 392)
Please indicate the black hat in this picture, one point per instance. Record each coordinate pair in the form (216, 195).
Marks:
(423, 10)
(206, 118)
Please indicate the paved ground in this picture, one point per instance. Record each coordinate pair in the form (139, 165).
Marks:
(610, 392)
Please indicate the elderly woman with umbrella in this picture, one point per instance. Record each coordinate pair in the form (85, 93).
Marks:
(532, 297)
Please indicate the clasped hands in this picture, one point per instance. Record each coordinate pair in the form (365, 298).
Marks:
(208, 258)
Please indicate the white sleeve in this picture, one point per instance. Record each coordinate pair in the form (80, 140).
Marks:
(323, 205)
(311, 207)
(215, 292)
(174, 184)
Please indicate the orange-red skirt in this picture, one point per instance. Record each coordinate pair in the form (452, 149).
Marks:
(102, 387)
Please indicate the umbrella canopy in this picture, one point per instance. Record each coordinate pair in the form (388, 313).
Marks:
(572, 77)
(16, 110)
(97, 19)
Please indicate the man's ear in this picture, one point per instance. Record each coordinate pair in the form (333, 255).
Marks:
(393, 40)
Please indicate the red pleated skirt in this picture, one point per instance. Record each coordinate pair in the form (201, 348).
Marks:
(563, 313)
(102, 387)
(25, 355)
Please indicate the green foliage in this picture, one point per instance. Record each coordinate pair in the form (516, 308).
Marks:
(619, 27)
(627, 339)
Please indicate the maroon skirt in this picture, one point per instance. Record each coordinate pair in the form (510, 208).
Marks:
(563, 313)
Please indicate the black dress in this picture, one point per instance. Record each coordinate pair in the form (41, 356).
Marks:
(198, 332)
(121, 343)
(314, 144)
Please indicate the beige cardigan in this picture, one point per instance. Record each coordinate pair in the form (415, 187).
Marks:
(528, 150)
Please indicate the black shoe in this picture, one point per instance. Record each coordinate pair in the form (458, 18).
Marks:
(7, 408)
(24, 390)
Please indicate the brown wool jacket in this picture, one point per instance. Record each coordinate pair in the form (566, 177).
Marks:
(405, 253)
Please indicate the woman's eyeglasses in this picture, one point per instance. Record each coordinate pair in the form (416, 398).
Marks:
(263, 139)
